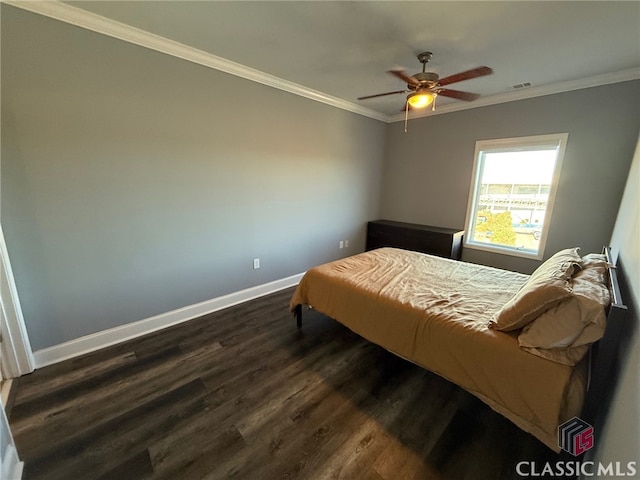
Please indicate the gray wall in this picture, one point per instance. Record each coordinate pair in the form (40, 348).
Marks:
(428, 170)
(620, 438)
(134, 183)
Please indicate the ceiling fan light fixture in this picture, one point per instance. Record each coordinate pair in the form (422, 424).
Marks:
(421, 99)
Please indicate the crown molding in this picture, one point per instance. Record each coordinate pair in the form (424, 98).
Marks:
(90, 21)
(105, 26)
(587, 82)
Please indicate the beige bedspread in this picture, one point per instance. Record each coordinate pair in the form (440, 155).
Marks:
(434, 312)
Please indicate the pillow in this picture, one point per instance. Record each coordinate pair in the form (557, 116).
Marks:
(546, 287)
(592, 284)
(597, 261)
(564, 332)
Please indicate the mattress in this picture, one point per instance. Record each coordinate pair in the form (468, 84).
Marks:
(435, 312)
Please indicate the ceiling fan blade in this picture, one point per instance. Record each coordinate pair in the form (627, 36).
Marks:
(401, 75)
(466, 96)
(459, 77)
(382, 94)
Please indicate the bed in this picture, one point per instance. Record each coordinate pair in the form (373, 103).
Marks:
(492, 332)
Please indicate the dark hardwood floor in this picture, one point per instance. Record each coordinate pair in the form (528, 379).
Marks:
(243, 394)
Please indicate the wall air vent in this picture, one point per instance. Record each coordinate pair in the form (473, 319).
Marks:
(521, 85)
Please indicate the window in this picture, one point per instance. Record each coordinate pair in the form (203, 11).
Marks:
(512, 192)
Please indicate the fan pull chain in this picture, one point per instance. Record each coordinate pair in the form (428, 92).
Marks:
(406, 115)
(406, 111)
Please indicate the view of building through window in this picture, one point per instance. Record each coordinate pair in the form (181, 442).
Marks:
(511, 197)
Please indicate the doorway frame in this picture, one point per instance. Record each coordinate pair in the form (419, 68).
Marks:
(16, 352)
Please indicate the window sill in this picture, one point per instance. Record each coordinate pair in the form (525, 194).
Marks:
(513, 252)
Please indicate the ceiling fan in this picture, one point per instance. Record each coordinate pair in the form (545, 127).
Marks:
(424, 87)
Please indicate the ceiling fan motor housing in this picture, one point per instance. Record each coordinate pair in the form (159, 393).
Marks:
(426, 79)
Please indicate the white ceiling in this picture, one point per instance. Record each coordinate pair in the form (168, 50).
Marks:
(343, 49)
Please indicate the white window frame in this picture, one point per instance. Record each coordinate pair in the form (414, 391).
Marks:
(516, 143)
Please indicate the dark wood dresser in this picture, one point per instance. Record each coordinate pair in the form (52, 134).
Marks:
(444, 242)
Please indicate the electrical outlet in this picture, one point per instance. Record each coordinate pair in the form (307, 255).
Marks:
(341, 244)
(256, 263)
(346, 244)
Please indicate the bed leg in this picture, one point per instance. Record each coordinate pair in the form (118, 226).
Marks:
(298, 314)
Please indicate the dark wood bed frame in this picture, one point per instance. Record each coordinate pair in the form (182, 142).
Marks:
(606, 355)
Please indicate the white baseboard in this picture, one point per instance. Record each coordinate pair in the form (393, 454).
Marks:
(105, 338)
